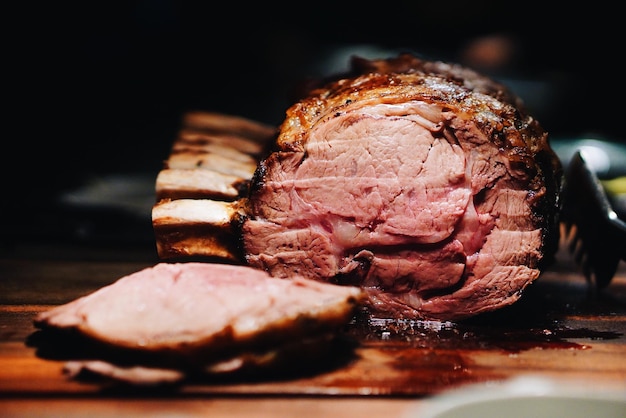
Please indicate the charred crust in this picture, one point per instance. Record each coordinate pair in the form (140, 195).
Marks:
(242, 187)
(355, 276)
(238, 242)
(258, 178)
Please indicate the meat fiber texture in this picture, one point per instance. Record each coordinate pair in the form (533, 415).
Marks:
(201, 317)
(424, 183)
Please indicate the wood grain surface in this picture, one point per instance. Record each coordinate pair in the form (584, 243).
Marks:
(561, 328)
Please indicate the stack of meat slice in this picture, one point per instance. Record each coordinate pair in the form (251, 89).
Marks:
(199, 189)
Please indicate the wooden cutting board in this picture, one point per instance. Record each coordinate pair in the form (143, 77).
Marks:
(558, 329)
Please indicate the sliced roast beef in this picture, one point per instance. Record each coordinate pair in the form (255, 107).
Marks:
(426, 184)
(172, 320)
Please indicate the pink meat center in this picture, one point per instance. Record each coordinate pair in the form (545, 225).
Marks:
(399, 184)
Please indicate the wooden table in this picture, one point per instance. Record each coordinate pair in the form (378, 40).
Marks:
(560, 329)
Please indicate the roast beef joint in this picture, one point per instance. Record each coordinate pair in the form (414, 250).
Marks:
(424, 183)
(406, 189)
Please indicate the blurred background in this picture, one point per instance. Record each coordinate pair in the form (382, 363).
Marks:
(96, 89)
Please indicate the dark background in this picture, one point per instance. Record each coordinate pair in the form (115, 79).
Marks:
(97, 88)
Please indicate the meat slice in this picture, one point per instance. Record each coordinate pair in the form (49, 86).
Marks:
(201, 187)
(424, 183)
(198, 228)
(199, 317)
